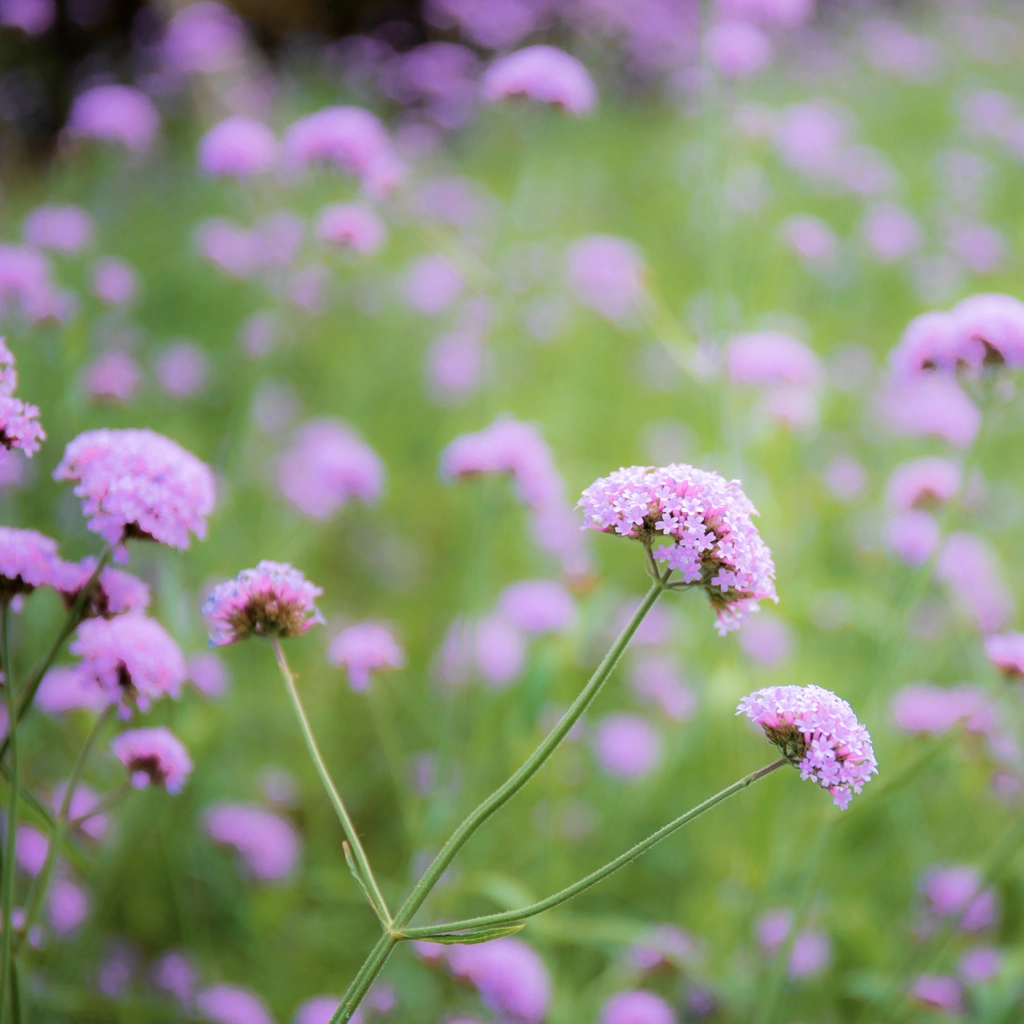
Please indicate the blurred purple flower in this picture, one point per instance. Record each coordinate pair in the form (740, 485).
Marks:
(208, 674)
(811, 954)
(771, 358)
(923, 482)
(767, 639)
(1006, 652)
(510, 977)
(33, 17)
(237, 147)
(737, 49)
(431, 285)
(153, 757)
(84, 800)
(320, 1010)
(932, 406)
(456, 364)
(637, 1007)
(114, 282)
(115, 592)
(971, 569)
(204, 38)
(845, 477)
(64, 229)
(229, 246)
(175, 974)
(499, 650)
(30, 850)
(924, 708)
(114, 113)
(955, 890)
(67, 906)
(231, 1004)
(939, 992)
(66, 688)
(182, 369)
(538, 606)
(112, 377)
(266, 842)
(979, 247)
(912, 535)
(365, 648)
(627, 745)
(606, 273)
(811, 239)
(353, 226)
(772, 928)
(19, 421)
(891, 232)
(980, 964)
(542, 73)
(27, 560)
(657, 679)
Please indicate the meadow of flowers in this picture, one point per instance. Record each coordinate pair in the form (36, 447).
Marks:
(347, 676)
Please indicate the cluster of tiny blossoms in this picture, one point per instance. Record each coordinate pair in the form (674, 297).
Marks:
(818, 733)
(19, 421)
(707, 521)
(271, 600)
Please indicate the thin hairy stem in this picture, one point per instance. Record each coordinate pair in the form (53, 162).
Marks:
(11, 836)
(376, 898)
(42, 885)
(568, 893)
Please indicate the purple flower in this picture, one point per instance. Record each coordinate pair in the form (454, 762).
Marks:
(19, 421)
(510, 977)
(637, 1007)
(891, 232)
(955, 890)
(67, 688)
(933, 406)
(939, 992)
(924, 708)
(627, 746)
(31, 848)
(707, 520)
(923, 482)
(542, 73)
(266, 842)
(112, 377)
(115, 113)
(114, 282)
(737, 49)
(320, 1010)
(970, 568)
(981, 964)
(353, 226)
(67, 906)
(657, 679)
(981, 248)
(237, 147)
(84, 800)
(606, 273)
(25, 276)
(175, 974)
(351, 139)
(153, 757)
(1006, 652)
(131, 658)
(810, 955)
(431, 284)
(456, 364)
(364, 648)
(271, 600)
(33, 17)
(817, 732)
(208, 674)
(811, 239)
(138, 484)
(912, 535)
(767, 640)
(326, 466)
(538, 606)
(772, 928)
(27, 560)
(229, 246)
(667, 944)
(65, 229)
(204, 38)
(114, 593)
(182, 369)
(499, 650)
(780, 13)
(231, 1004)
(771, 358)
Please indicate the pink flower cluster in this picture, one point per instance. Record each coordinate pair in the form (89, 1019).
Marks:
(818, 733)
(266, 842)
(114, 593)
(364, 648)
(518, 449)
(271, 600)
(28, 559)
(138, 484)
(509, 975)
(19, 422)
(706, 519)
(1006, 652)
(131, 659)
(115, 113)
(606, 273)
(237, 147)
(783, 368)
(982, 330)
(153, 757)
(542, 73)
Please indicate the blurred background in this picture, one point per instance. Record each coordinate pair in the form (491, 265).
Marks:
(700, 246)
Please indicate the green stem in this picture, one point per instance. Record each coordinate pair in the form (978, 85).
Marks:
(11, 837)
(564, 895)
(361, 983)
(42, 885)
(104, 805)
(377, 901)
(532, 765)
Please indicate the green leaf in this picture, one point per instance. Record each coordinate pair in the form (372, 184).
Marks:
(472, 938)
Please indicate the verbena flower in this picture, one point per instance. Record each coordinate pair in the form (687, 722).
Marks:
(737, 49)
(955, 890)
(153, 757)
(231, 1004)
(320, 1010)
(176, 974)
(114, 282)
(114, 113)
(817, 732)
(114, 593)
(931, 480)
(67, 906)
(28, 559)
(538, 606)
(509, 975)
(203, 38)
(364, 648)
(637, 1006)
(1006, 652)
(606, 273)
(939, 992)
(627, 745)
(353, 226)
(65, 229)
(139, 484)
(83, 801)
(271, 600)
(542, 73)
(266, 842)
(132, 659)
(972, 570)
(237, 147)
(67, 688)
(19, 421)
(706, 519)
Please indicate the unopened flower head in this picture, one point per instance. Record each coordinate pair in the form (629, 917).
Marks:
(153, 757)
(706, 519)
(817, 732)
(19, 421)
(364, 648)
(139, 484)
(114, 593)
(271, 600)
(28, 559)
(542, 73)
(132, 659)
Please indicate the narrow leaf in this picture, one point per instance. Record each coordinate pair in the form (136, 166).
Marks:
(472, 938)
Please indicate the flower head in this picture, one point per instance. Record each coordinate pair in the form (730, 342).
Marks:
(627, 746)
(271, 600)
(204, 38)
(538, 606)
(1006, 652)
(510, 977)
(637, 1007)
(65, 229)
(771, 359)
(817, 732)
(132, 659)
(115, 113)
(19, 421)
(153, 757)
(706, 519)
(237, 147)
(231, 1004)
(364, 648)
(917, 483)
(28, 559)
(138, 484)
(114, 593)
(266, 842)
(542, 73)
(354, 226)
(605, 273)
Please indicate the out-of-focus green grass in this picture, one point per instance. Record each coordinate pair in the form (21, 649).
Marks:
(650, 172)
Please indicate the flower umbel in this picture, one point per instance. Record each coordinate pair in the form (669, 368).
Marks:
(153, 757)
(271, 600)
(817, 732)
(713, 542)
